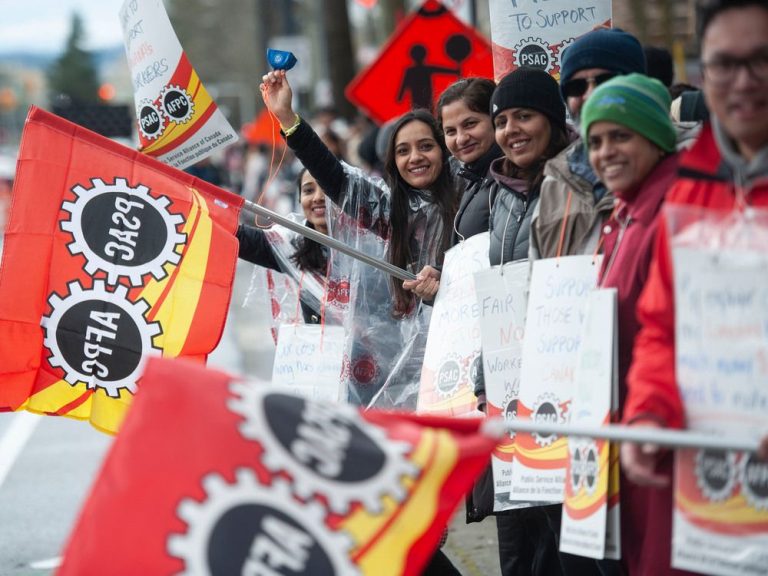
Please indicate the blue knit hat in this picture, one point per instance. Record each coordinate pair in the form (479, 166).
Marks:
(608, 48)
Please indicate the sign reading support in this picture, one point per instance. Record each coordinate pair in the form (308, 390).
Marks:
(559, 291)
(430, 50)
(532, 33)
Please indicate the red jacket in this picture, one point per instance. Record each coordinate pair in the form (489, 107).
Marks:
(628, 239)
(706, 178)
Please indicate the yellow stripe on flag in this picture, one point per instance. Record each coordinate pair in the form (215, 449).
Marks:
(178, 310)
(387, 552)
(56, 396)
(202, 101)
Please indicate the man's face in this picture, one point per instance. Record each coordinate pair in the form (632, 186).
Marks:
(581, 85)
(738, 96)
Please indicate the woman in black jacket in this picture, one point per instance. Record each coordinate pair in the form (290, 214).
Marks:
(303, 256)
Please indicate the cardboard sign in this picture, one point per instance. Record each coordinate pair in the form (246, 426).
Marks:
(308, 360)
(502, 298)
(585, 509)
(452, 354)
(721, 498)
(535, 33)
(178, 121)
(559, 291)
(429, 51)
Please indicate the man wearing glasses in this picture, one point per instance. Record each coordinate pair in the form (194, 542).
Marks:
(727, 165)
(573, 202)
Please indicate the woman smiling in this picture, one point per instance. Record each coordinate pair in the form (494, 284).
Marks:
(631, 143)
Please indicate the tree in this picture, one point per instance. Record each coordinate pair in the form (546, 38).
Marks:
(74, 74)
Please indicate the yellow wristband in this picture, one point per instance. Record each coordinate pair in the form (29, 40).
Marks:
(290, 130)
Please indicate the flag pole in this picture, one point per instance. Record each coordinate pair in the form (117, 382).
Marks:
(326, 240)
(637, 434)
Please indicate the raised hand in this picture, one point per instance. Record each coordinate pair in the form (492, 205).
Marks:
(278, 94)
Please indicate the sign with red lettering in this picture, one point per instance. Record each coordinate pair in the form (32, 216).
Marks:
(430, 50)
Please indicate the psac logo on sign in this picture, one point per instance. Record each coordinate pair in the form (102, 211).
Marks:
(430, 50)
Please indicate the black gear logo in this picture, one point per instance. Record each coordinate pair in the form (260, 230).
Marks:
(177, 104)
(716, 474)
(290, 428)
(99, 337)
(250, 528)
(754, 481)
(150, 119)
(122, 230)
(448, 377)
(534, 53)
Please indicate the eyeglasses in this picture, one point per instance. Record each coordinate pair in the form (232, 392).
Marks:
(724, 69)
(578, 86)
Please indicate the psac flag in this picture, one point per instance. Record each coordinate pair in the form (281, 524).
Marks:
(251, 480)
(109, 255)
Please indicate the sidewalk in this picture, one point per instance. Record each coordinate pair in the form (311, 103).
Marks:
(472, 548)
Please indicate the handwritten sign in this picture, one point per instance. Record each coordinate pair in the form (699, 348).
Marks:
(721, 346)
(558, 294)
(452, 355)
(178, 121)
(536, 32)
(502, 297)
(308, 360)
(585, 509)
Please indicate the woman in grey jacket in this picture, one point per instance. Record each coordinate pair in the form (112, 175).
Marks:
(529, 120)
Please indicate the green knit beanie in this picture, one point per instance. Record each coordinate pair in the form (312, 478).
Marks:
(636, 101)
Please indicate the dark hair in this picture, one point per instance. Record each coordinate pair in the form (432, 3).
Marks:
(443, 194)
(475, 92)
(707, 10)
(534, 174)
(659, 65)
(309, 254)
(678, 88)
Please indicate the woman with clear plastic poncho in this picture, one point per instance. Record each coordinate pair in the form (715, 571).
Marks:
(303, 260)
(406, 221)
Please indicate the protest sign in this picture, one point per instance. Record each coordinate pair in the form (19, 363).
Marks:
(178, 121)
(558, 293)
(452, 355)
(721, 304)
(585, 509)
(535, 33)
(502, 297)
(308, 360)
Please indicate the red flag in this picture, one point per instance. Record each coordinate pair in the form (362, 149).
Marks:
(109, 256)
(250, 479)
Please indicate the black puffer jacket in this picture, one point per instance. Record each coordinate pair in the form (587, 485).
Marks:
(474, 210)
(512, 207)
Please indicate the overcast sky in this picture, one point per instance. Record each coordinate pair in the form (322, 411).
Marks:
(43, 25)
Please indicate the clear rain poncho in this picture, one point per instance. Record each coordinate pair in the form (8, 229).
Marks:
(383, 353)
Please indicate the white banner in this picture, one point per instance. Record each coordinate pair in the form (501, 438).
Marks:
(452, 355)
(502, 296)
(721, 345)
(585, 509)
(178, 121)
(535, 33)
(558, 294)
(308, 360)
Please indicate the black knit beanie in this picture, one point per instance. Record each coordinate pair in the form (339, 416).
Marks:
(530, 88)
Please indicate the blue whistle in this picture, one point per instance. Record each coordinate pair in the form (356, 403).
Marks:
(281, 59)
